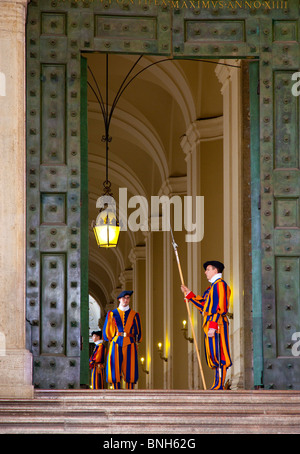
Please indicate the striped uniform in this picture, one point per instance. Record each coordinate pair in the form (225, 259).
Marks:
(123, 330)
(97, 366)
(214, 306)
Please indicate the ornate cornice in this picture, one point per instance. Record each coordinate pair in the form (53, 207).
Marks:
(202, 130)
(224, 73)
(137, 253)
(126, 275)
(173, 186)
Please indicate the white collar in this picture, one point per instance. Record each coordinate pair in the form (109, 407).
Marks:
(126, 308)
(215, 277)
(99, 342)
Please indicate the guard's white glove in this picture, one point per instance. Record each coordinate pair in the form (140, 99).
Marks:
(211, 332)
(185, 290)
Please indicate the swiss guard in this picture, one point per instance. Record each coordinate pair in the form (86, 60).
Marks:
(97, 361)
(122, 328)
(213, 305)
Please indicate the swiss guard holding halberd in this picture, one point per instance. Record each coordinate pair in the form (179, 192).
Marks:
(214, 306)
(122, 328)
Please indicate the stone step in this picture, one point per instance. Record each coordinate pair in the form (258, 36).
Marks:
(152, 412)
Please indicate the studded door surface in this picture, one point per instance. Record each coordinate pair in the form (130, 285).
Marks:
(57, 31)
(53, 208)
(269, 33)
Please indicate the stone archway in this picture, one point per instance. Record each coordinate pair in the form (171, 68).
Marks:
(256, 33)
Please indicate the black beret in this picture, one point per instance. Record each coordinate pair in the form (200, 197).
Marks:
(98, 333)
(125, 292)
(216, 264)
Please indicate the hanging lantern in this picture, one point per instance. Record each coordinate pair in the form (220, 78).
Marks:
(106, 228)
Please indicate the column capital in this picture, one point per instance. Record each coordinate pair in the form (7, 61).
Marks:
(202, 130)
(224, 73)
(115, 292)
(126, 275)
(173, 186)
(12, 17)
(137, 253)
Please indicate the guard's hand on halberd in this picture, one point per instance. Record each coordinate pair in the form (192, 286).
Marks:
(185, 290)
(211, 332)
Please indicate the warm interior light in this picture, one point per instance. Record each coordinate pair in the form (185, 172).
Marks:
(159, 346)
(142, 360)
(107, 236)
(184, 323)
(106, 229)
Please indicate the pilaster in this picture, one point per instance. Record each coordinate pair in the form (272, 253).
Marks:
(137, 258)
(15, 360)
(198, 132)
(172, 296)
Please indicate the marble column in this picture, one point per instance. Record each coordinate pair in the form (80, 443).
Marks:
(15, 360)
(233, 239)
(137, 258)
(192, 143)
(154, 310)
(174, 311)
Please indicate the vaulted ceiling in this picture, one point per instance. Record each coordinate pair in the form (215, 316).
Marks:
(150, 118)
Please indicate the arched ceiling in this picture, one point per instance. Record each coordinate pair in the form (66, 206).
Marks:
(151, 116)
